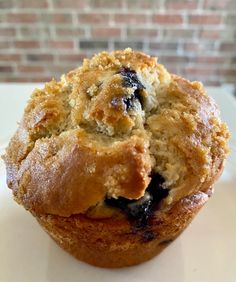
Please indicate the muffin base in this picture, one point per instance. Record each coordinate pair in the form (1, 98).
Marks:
(116, 242)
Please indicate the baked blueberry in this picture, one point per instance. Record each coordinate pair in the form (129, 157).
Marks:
(157, 187)
(131, 80)
(134, 209)
(148, 236)
(141, 209)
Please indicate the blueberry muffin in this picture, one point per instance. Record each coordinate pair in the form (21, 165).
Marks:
(116, 158)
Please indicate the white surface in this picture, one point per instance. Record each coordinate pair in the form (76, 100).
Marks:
(206, 251)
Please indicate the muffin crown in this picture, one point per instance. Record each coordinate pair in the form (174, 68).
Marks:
(105, 128)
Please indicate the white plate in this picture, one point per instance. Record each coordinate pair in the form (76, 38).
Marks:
(206, 251)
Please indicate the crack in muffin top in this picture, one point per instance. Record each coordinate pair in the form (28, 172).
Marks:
(105, 127)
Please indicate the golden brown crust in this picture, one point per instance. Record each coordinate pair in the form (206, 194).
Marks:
(115, 242)
(78, 142)
(56, 169)
(195, 132)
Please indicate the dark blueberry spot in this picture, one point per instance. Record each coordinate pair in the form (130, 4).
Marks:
(135, 209)
(131, 80)
(157, 187)
(140, 210)
(148, 236)
(129, 102)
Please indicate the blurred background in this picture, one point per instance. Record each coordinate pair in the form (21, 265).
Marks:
(45, 38)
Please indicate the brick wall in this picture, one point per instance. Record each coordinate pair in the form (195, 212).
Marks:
(44, 38)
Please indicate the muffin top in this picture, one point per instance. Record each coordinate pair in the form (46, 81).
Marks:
(106, 128)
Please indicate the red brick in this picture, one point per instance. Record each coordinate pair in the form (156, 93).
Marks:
(143, 32)
(212, 82)
(69, 32)
(27, 78)
(231, 19)
(30, 68)
(173, 59)
(212, 34)
(59, 18)
(11, 79)
(228, 47)
(167, 19)
(202, 46)
(5, 45)
(39, 57)
(7, 31)
(2, 17)
(40, 78)
(58, 70)
(210, 60)
(218, 5)
(72, 57)
(230, 79)
(26, 44)
(142, 4)
(61, 44)
(178, 33)
(22, 18)
(107, 4)
(190, 46)
(10, 57)
(74, 4)
(164, 46)
(33, 31)
(227, 72)
(93, 18)
(6, 4)
(205, 19)
(6, 69)
(199, 71)
(181, 4)
(136, 45)
(31, 4)
(131, 18)
(93, 44)
(106, 32)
